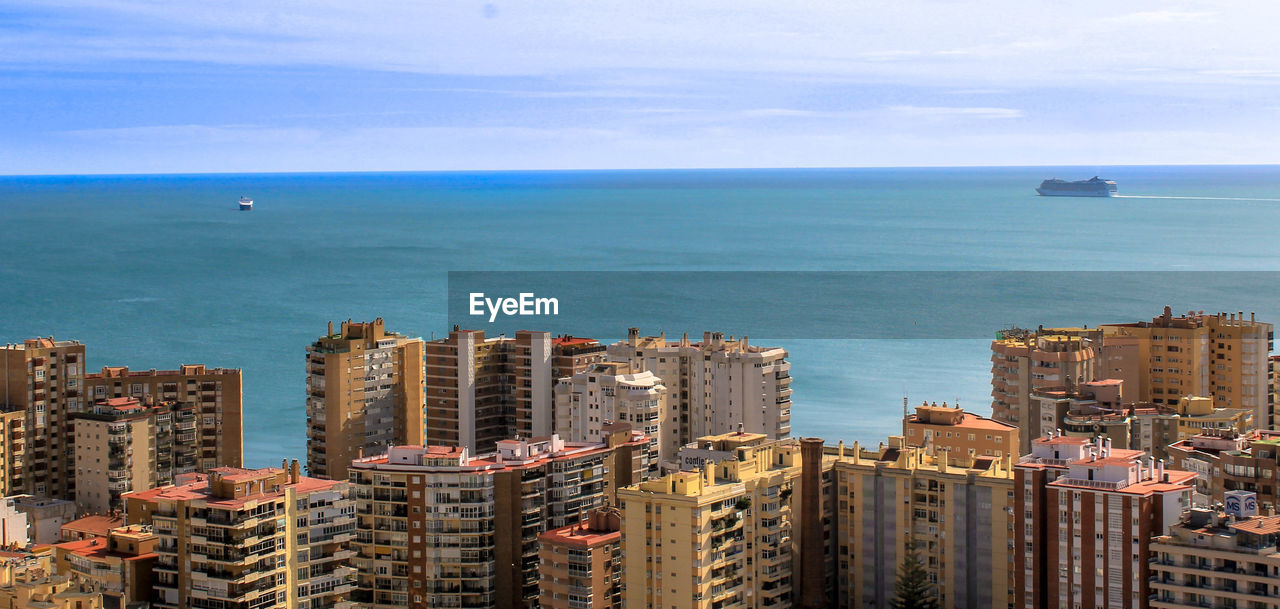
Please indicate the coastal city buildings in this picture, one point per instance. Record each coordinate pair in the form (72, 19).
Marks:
(1221, 355)
(249, 538)
(716, 386)
(1086, 514)
(45, 516)
(364, 394)
(481, 390)
(611, 392)
(1025, 360)
(580, 566)
(1233, 462)
(215, 393)
(1216, 557)
(439, 527)
(718, 536)
(955, 513)
(44, 379)
(123, 445)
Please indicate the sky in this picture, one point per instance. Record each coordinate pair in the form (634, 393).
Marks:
(231, 86)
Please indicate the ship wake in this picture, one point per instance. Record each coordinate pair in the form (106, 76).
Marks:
(1191, 198)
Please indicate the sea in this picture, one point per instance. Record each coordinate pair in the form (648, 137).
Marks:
(153, 271)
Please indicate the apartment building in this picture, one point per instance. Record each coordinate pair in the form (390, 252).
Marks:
(1233, 462)
(1025, 360)
(955, 513)
(719, 536)
(958, 435)
(45, 516)
(716, 386)
(261, 538)
(1216, 557)
(1086, 515)
(119, 565)
(439, 527)
(364, 394)
(35, 589)
(44, 379)
(124, 445)
(610, 392)
(1221, 355)
(481, 390)
(580, 566)
(215, 393)
(12, 451)
(13, 524)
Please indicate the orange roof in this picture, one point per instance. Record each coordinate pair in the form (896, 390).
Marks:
(581, 535)
(1063, 440)
(571, 340)
(1258, 525)
(98, 524)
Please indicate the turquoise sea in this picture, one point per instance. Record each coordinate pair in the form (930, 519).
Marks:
(153, 271)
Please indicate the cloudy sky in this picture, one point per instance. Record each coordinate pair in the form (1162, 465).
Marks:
(231, 85)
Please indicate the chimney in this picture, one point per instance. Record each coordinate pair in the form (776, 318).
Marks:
(812, 560)
(330, 329)
(295, 472)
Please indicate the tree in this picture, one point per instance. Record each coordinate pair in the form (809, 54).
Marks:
(913, 590)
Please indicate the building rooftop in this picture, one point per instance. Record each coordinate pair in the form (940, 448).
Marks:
(98, 525)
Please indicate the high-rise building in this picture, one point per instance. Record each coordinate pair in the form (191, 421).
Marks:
(719, 536)
(364, 394)
(264, 538)
(123, 445)
(716, 386)
(1217, 558)
(956, 518)
(609, 392)
(44, 379)
(1025, 360)
(484, 389)
(439, 527)
(1222, 355)
(214, 392)
(120, 564)
(960, 436)
(1086, 515)
(581, 565)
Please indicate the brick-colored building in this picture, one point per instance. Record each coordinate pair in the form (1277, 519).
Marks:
(215, 393)
(1086, 514)
(961, 436)
(44, 379)
(580, 566)
(364, 394)
(119, 564)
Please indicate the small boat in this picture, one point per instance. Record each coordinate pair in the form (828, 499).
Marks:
(1094, 187)
(246, 204)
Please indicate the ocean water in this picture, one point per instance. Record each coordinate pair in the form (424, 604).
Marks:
(153, 271)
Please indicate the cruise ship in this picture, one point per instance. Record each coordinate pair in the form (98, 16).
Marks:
(1093, 187)
(246, 204)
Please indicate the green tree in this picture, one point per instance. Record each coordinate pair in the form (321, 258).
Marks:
(913, 590)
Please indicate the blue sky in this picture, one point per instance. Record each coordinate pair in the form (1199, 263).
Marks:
(230, 85)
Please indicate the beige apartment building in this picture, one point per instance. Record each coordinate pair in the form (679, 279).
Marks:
(265, 538)
(123, 445)
(1217, 558)
(580, 566)
(723, 535)
(1086, 516)
(1023, 361)
(364, 394)
(958, 519)
(44, 379)
(119, 565)
(481, 390)
(215, 393)
(1221, 355)
(610, 392)
(439, 527)
(716, 386)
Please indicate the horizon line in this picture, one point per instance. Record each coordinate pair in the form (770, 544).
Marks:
(609, 170)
